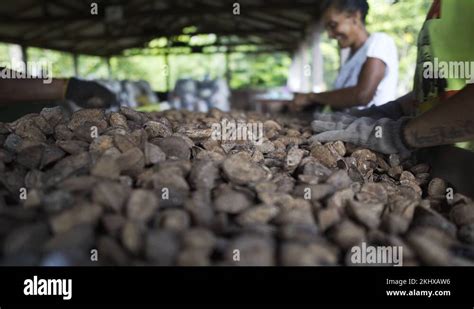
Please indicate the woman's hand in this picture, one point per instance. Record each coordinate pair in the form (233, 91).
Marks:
(300, 101)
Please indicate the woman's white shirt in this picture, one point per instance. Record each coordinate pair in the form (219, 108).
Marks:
(381, 46)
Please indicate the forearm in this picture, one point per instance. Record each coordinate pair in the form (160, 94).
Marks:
(362, 93)
(447, 123)
(17, 90)
(342, 98)
(394, 110)
(407, 103)
(407, 98)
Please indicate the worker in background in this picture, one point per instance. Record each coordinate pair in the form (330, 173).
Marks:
(439, 111)
(369, 76)
(83, 93)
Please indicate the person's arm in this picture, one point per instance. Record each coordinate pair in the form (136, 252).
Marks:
(361, 94)
(370, 77)
(447, 123)
(403, 106)
(17, 90)
(87, 94)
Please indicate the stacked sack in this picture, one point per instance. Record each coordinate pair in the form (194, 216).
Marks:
(200, 96)
(131, 93)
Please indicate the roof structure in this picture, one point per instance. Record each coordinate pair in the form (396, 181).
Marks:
(109, 27)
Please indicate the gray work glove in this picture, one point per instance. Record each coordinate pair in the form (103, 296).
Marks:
(382, 135)
(89, 94)
(338, 118)
(392, 110)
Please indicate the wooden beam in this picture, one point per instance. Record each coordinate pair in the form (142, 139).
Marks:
(24, 10)
(269, 49)
(143, 15)
(11, 40)
(66, 5)
(275, 21)
(47, 34)
(148, 34)
(175, 11)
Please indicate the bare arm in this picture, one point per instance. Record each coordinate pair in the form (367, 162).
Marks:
(403, 106)
(370, 77)
(17, 90)
(407, 103)
(88, 94)
(449, 122)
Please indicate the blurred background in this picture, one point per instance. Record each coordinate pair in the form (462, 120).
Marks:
(167, 65)
(258, 71)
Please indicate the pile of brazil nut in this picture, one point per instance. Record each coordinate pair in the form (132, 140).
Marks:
(129, 188)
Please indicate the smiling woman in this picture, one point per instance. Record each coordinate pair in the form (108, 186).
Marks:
(345, 22)
(370, 73)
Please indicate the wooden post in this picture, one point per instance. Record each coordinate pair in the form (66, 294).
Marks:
(317, 68)
(17, 54)
(305, 66)
(109, 67)
(24, 53)
(24, 56)
(75, 59)
(167, 72)
(228, 73)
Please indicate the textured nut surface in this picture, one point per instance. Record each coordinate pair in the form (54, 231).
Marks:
(157, 189)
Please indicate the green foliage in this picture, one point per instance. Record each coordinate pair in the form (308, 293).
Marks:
(140, 67)
(4, 52)
(402, 21)
(259, 70)
(62, 63)
(466, 145)
(92, 67)
(330, 52)
(196, 66)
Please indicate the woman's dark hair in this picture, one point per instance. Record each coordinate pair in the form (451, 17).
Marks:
(351, 6)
